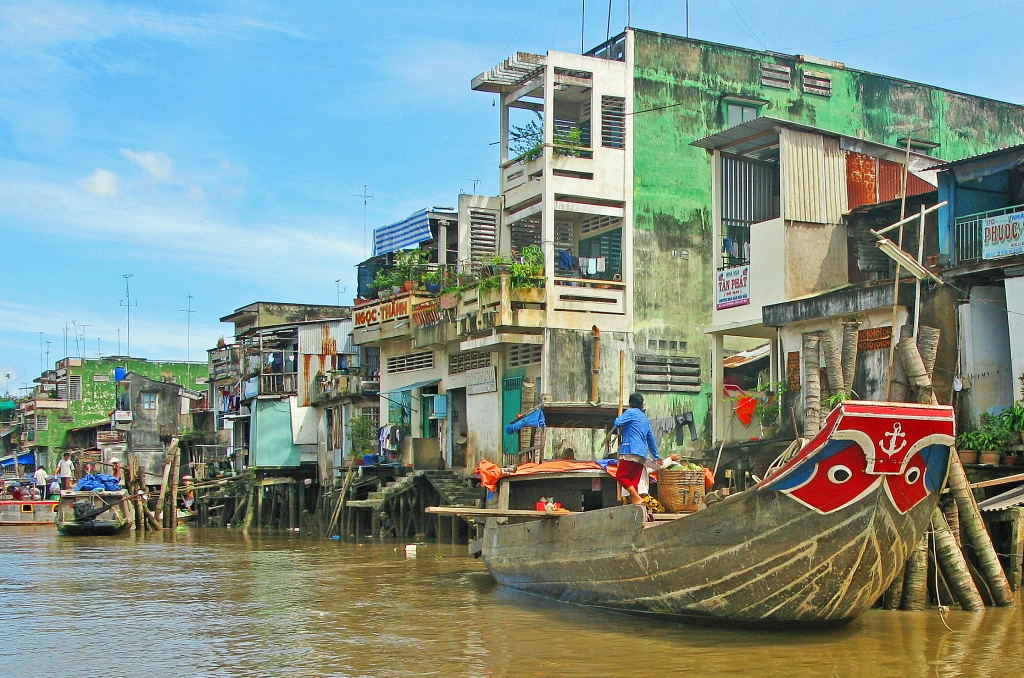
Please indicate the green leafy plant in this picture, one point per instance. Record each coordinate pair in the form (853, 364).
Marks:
(767, 412)
(969, 440)
(993, 428)
(569, 142)
(383, 280)
(839, 397)
(527, 140)
(1013, 418)
(362, 432)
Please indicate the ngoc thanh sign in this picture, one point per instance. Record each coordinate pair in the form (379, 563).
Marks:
(1002, 236)
(733, 287)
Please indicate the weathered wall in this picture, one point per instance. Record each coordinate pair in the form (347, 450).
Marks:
(815, 258)
(144, 436)
(687, 79)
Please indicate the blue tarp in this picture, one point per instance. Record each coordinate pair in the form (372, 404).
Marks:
(402, 235)
(534, 419)
(99, 481)
(27, 459)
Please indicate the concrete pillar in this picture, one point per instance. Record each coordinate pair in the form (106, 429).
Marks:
(1015, 318)
(718, 418)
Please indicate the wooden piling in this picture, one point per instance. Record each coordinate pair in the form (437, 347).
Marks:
(833, 353)
(952, 515)
(812, 386)
(954, 566)
(1016, 547)
(172, 500)
(893, 596)
(849, 355)
(973, 528)
(915, 584)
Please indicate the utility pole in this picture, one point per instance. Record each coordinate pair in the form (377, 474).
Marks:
(188, 328)
(366, 198)
(341, 289)
(583, 29)
(41, 352)
(118, 341)
(127, 303)
(608, 28)
(65, 340)
(687, 18)
(84, 353)
(47, 354)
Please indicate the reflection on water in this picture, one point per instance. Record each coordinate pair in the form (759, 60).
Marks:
(216, 603)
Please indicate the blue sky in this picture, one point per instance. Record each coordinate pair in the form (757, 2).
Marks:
(215, 149)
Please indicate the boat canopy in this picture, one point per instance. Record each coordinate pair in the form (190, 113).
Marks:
(566, 415)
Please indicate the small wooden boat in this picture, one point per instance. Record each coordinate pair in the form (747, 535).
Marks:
(27, 512)
(94, 513)
(814, 544)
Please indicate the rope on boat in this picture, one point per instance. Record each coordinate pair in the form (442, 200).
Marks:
(942, 609)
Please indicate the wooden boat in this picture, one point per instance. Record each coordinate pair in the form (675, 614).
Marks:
(94, 513)
(27, 512)
(814, 544)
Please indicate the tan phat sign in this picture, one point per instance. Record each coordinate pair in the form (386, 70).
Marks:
(733, 287)
(381, 313)
(481, 380)
(1002, 236)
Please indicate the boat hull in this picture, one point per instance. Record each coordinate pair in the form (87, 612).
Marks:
(27, 512)
(790, 552)
(119, 518)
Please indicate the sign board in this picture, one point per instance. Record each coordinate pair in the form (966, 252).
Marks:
(733, 288)
(1002, 236)
(382, 312)
(481, 380)
(122, 416)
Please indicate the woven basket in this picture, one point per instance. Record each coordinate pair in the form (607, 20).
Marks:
(681, 491)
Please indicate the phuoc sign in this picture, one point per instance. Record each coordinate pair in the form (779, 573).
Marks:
(1002, 236)
(733, 287)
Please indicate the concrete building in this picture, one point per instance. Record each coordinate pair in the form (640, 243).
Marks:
(982, 245)
(71, 407)
(598, 171)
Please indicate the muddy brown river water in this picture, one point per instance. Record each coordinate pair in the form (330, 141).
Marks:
(218, 603)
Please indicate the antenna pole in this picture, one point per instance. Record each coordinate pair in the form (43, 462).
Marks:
(127, 303)
(40, 353)
(366, 198)
(583, 28)
(188, 328)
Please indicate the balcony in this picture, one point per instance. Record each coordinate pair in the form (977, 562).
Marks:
(225, 363)
(278, 384)
(989, 235)
(341, 384)
(386, 318)
(485, 309)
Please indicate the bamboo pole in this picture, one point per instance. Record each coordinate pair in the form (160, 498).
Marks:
(172, 449)
(915, 583)
(973, 527)
(812, 385)
(893, 596)
(954, 565)
(172, 497)
(949, 511)
(896, 277)
(849, 355)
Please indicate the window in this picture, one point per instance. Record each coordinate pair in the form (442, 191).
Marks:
(468, 360)
(520, 355)
(424, 360)
(75, 387)
(371, 412)
(42, 422)
(149, 401)
(738, 114)
(613, 122)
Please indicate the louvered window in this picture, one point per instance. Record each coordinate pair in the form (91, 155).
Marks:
(817, 83)
(468, 360)
(483, 236)
(597, 222)
(424, 360)
(776, 75)
(613, 122)
(668, 374)
(75, 387)
(520, 355)
(42, 422)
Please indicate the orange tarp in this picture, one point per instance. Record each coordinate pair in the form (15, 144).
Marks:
(555, 466)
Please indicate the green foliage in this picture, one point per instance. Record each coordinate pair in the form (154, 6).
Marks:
(992, 434)
(573, 137)
(1013, 418)
(527, 140)
(383, 280)
(362, 431)
(838, 398)
(767, 412)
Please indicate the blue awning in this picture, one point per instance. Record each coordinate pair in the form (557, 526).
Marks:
(27, 459)
(411, 387)
(402, 235)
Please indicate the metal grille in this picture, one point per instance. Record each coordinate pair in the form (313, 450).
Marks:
(525, 232)
(468, 360)
(75, 387)
(483, 236)
(520, 355)
(817, 83)
(423, 360)
(969, 230)
(42, 422)
(748, 197)
(564, 235)
(776, 75)
(613, 122)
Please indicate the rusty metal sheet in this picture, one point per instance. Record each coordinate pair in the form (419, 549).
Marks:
(917, 185)
(861, 179)
(324, 338)
(890, 180)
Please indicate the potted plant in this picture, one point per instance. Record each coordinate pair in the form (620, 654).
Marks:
(432, 281)
(767, 413)
(993, 439)
(1010, 458)
(1013, 420)
(967, 447)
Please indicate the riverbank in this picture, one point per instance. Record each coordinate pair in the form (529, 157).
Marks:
(220, 603)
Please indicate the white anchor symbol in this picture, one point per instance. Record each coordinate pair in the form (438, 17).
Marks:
(894, 435)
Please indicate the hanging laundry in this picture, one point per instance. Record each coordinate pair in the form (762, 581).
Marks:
(746, 251)
(601, 267)
(591, 266)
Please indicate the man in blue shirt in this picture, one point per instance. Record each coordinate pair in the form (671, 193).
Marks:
(636, 444)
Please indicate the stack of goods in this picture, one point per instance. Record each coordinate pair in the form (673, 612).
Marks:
(681, 487)
(100, 482)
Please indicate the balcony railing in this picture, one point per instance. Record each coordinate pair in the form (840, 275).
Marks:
(339, 384)
(277, 384)
(969, 236)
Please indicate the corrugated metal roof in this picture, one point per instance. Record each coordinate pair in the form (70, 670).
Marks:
(748, 356)
(1009, 499)
(324, 338)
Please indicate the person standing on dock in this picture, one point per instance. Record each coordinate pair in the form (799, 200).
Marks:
(65, 471)
(40, 478)
(636, 444)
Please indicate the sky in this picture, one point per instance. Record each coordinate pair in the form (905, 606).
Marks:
(218, 150)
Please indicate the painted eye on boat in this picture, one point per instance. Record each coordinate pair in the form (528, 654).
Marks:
(912, 475)
(839, 474)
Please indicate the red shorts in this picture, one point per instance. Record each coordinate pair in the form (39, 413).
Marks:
(628, 473)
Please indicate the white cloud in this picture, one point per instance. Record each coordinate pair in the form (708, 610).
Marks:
(157, 165)
(102, 183)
